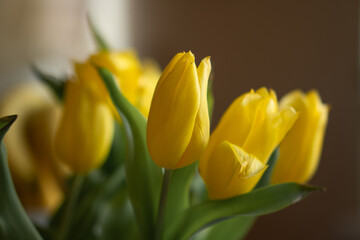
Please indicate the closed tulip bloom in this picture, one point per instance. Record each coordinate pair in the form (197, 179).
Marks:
(301, 149)
(239, 148)
(85, 133)
(178, 123)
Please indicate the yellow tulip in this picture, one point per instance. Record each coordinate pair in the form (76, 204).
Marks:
(85, 133)
(136, 81)
(178, 124)
(126, 68)
(301, 149)
(147, 83)
(239, 148)
(36, 173)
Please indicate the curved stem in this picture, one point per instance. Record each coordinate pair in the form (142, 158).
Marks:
(70, 207)
(162, 204)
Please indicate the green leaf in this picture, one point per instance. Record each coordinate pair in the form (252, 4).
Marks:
(56, 85)
(179, 191)
(14, 223)
(142, 174)
(258, 202)
(90, 206)
(237, 227)
(117, 219)
(198, 192)
(101, 44)
(265, 179)
(230, 229)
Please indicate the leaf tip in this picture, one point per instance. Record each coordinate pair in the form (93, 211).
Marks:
(5, 124)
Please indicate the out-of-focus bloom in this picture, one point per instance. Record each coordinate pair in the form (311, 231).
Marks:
(239, 148)
(301, 149)
(146, 86)
(178, 124)
(136, 81)
(86, 129)
(35, 171)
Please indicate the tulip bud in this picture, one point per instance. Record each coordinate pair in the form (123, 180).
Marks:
(85, 133)
(301, 149)
(252, 127)
(178, 124)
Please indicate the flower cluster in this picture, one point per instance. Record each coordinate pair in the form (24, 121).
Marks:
(121, 128)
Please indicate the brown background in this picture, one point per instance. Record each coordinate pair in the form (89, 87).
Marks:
(282, 45)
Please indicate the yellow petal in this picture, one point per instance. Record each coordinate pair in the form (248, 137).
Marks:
(270, 127)
(171, 66)
(301, 148)
(147, 83)
(201, 132)
(235, 124)
(87, 75)
(173, 111)
(85, 132)
(126, 68)
(231, 171)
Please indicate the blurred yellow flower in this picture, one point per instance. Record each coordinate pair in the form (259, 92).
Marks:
(84, 136)
(301, 149)
(86, 130)
(178, 124)
(136, 81)
(35, 171)
(239, 148)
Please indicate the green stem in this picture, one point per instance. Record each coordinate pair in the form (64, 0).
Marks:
(70, 207)
(162, 203)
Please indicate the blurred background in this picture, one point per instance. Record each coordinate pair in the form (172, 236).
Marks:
(278, 44)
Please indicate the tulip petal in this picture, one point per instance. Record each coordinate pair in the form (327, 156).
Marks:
(269, 129)
(231, 171)
(235, 124)
(87, 75)
(200, 136)
(170, 66)
(300, 150)
(86, 120)
(125, 66)
(147, 83)
(136, 83)
(173, 112)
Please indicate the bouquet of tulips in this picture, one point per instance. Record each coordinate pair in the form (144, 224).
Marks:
(123, 151)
